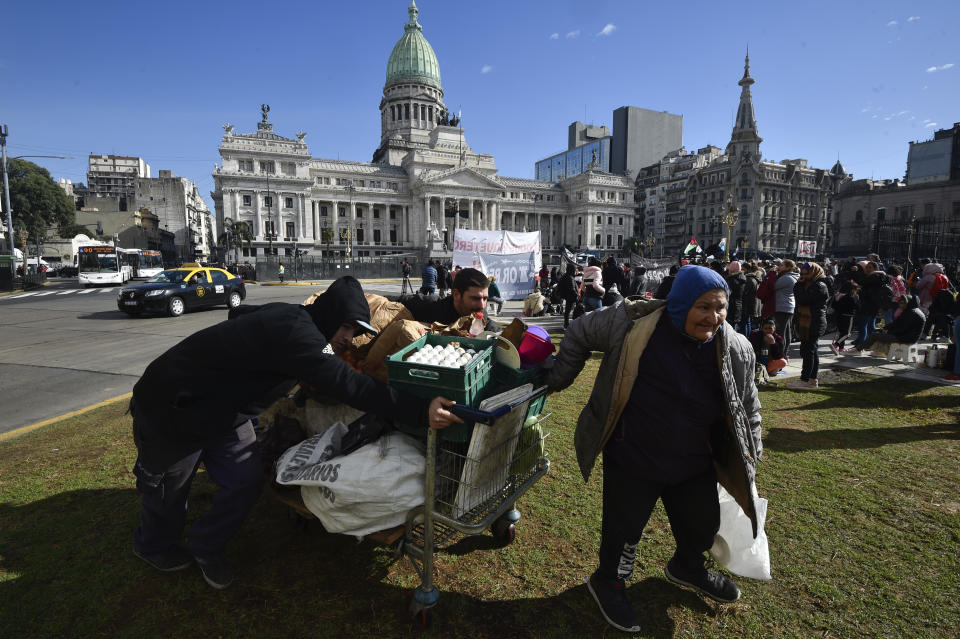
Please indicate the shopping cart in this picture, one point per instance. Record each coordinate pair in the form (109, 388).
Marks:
(473, 486)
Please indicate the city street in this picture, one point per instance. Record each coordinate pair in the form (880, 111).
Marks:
(64, 348)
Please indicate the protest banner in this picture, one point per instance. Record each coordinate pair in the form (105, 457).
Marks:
(515, 272)
(806, 248)
(467, 243)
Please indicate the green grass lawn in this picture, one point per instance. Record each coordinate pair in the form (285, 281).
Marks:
(864, 529)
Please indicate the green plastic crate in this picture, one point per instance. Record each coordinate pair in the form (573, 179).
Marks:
(463, 385)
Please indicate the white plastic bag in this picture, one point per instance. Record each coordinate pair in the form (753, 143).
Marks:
(734, 546)
(368, 490)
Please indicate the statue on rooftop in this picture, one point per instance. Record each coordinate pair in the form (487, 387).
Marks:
(264, 109)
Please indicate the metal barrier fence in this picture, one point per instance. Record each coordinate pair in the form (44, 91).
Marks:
(314, 268)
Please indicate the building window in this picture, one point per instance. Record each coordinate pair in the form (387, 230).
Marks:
(881, 214)
(360, 236)
(288, 202)
(359, 212)
(619, 241)
(599, 219)
(579, 240)
(609, 241)
(393, 114)
(342, 212)
(393, 214)
(291, 232)
(393, 236)
(247, 200)
(245, 165)
(268, 200)
(268, 227)
(579, 222)
(289, 168)
(406, 111)
(621, 222)
(376, 235)
(598, 241)
(323, 211)
(268, 167)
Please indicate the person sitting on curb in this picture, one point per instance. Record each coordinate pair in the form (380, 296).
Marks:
(534, 303)
(470, 295)
(494, 294)
(768, 348)
(905, 329)
(197, 401)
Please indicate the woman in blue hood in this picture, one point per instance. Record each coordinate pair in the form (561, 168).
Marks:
(674, 410)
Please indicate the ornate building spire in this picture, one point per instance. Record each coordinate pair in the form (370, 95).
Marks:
(414, 12)
(745, 140)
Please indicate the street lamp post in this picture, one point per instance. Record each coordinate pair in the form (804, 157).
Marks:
(730, 217)
(651, 241)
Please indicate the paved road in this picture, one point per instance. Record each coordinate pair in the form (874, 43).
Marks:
(64, 348)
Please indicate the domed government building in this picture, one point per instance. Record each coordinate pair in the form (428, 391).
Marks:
(424, 181)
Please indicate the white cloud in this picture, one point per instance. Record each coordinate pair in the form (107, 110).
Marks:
(608, 29)
(927, 120)
(864, 109)
(486, 68)
(573, 34)
(554, 36)
(913, 18)
(942, 67)
(902, 113)
(892, 23)
(930, 124)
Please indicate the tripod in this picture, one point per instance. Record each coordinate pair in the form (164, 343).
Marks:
(406, 288)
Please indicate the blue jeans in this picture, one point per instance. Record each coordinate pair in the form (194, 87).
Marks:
(591, 303)
(233, 463)
(865, 324)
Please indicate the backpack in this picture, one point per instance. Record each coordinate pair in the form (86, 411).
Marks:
(940, 282)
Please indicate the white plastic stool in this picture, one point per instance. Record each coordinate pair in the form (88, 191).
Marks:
(906, 353)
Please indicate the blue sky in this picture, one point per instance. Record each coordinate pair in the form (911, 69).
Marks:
(856, 80)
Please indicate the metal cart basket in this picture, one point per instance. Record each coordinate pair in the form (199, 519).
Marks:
(473, 486)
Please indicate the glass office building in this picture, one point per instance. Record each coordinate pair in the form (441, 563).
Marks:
(565, 165)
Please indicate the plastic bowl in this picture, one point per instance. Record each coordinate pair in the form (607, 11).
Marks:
(534, 349)
(539, 331)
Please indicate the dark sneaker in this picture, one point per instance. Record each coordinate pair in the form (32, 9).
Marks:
(216, 572)
(611, 596)
(170, 561)
(716, 586)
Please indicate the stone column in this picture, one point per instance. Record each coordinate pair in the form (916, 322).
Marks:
(426, 215)
(335, 221)
(315, 211)
(302, 217)
(258, 233)
(456, 216)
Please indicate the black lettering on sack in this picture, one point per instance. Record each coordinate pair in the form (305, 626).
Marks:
(333, 475)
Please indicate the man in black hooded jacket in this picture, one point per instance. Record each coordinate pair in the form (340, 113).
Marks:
(195, 402)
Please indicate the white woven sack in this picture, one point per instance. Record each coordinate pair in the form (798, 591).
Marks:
(370, 489)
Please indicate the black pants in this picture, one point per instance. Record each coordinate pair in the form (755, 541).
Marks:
(233, 463)
(570, 302)
(692, 506)
(811, 359)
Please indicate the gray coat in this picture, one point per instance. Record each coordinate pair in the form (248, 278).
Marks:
(621, 333)
(783, 289)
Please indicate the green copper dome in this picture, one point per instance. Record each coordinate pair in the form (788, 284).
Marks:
(412, 58)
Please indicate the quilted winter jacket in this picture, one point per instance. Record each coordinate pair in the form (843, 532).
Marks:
(621, 333)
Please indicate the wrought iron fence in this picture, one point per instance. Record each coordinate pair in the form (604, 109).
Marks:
(938, 239)
(312, 268)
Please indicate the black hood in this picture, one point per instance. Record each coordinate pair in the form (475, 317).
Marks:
(341, 303)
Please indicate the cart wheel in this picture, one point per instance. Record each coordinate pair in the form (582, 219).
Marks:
(421, 615)
(504, 531)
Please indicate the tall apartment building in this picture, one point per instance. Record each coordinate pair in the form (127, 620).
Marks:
(115, 175)
(641, 137)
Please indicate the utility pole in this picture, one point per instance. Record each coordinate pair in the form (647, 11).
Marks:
(6, 205)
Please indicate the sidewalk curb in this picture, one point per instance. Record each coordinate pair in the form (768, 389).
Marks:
(30, 427)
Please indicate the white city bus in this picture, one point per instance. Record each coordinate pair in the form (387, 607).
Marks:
(143, 263)
(99, 265)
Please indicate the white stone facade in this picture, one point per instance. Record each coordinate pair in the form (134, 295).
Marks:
(424, 177)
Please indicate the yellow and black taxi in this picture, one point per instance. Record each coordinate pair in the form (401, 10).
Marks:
(176, 290)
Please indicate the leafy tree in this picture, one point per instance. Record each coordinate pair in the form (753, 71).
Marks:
(235, 235)
(36, 200)
(634, 245)
(326, 235)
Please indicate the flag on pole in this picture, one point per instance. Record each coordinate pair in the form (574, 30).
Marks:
(691, 246)
(723, 244)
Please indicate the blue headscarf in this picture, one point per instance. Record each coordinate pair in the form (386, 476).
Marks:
(692, 282)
